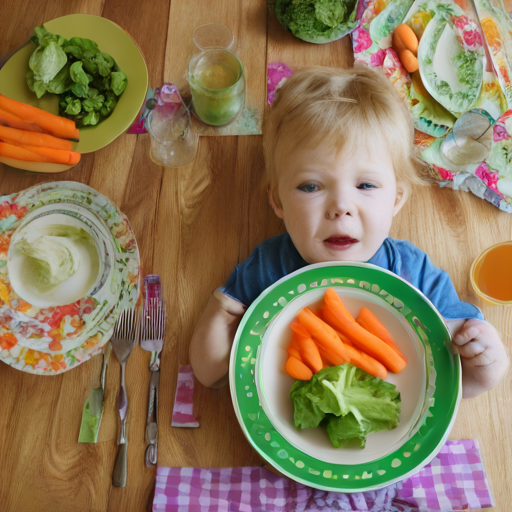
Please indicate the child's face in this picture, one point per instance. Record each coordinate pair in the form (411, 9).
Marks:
(338, 207)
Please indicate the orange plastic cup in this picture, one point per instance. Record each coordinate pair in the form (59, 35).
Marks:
(491, 274)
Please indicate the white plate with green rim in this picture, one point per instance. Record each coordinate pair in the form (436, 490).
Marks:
(451, 58)
(48, 340)
(430, 385)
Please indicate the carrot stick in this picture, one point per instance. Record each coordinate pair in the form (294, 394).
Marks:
(295, 353)
(58, 156)
(345, 339)
(330, 358)
(363, 339)
(365, 362)
(8, 119)
(355, 357)
(294, 348)
(371, 323)
(297, 370)
(330, 292)
(322, 333)
(19, 153)
(308, 349)
(55, 125)
(325, 363)
(16, 136)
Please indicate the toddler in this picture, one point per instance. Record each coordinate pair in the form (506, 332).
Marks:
(339, 153)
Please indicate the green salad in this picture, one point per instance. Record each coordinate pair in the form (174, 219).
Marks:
(347, 402)
(316, 21)
(88, 81)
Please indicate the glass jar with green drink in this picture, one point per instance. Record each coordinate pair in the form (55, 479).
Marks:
(216, 76)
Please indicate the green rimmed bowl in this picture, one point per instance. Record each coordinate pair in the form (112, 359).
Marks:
(430, 385)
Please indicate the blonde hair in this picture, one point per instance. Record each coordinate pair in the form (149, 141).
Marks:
(337, 107)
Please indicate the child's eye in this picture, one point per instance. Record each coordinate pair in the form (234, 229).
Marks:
(366, 186)
(308, 187)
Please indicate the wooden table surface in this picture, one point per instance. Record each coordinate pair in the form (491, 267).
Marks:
(193, 225)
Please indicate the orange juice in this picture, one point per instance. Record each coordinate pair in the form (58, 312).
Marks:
(491, 274)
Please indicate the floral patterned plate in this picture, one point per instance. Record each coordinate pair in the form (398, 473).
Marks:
(51, 340)
(430, 385)
(451, 58)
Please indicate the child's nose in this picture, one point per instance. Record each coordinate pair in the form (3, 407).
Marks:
(338, 207)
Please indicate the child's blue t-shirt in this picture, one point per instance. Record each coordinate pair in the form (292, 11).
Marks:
(278, 257)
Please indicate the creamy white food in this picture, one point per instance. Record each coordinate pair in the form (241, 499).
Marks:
(53, 263)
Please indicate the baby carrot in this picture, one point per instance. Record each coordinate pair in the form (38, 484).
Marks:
(332, 293)
(297, 370)
(365, 362)
(371, 323)
(322, 333)
(58, 156)
(355, 357)
(8, 119)
(363, 339)
(409, 60)
(404, 38)
(345, 339)
(19, 153)
(308, 350)
(55, 125)
(329, 358)
(25, 137)
(293, 348)
(294, 352)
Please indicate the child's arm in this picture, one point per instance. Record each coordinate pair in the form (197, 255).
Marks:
(483, 355)
(213, 336)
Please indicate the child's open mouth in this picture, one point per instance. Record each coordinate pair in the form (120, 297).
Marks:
(340, 243)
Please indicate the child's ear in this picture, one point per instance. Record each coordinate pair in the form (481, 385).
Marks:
(402, 193)
(278, 210)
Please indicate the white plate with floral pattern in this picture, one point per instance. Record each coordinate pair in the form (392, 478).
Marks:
(51, 340)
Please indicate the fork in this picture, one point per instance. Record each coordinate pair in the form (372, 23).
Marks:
(126, 331)
(152, 340)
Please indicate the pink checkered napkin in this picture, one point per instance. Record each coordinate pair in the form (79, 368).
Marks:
(454, 480)
(183, 401)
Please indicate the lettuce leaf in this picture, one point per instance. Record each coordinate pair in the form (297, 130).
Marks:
(47, 61)
(348, 402)
(316, 21)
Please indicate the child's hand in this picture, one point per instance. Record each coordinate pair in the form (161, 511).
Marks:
(484, 358)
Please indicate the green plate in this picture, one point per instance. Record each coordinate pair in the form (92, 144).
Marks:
(111, 39)
(430, 384)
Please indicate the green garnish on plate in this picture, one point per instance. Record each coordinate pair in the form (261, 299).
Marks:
(88, 81)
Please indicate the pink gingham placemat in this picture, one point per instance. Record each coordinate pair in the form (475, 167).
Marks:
(454, 480)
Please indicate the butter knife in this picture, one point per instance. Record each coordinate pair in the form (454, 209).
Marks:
(93, 407)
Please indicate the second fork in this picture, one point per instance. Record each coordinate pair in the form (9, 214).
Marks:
(126, 332)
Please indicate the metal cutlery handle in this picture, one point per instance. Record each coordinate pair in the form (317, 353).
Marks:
(106, 356)
(151, 425)
(122, 405)
(120, 466)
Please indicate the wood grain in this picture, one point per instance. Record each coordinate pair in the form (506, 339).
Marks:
(193, 225)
